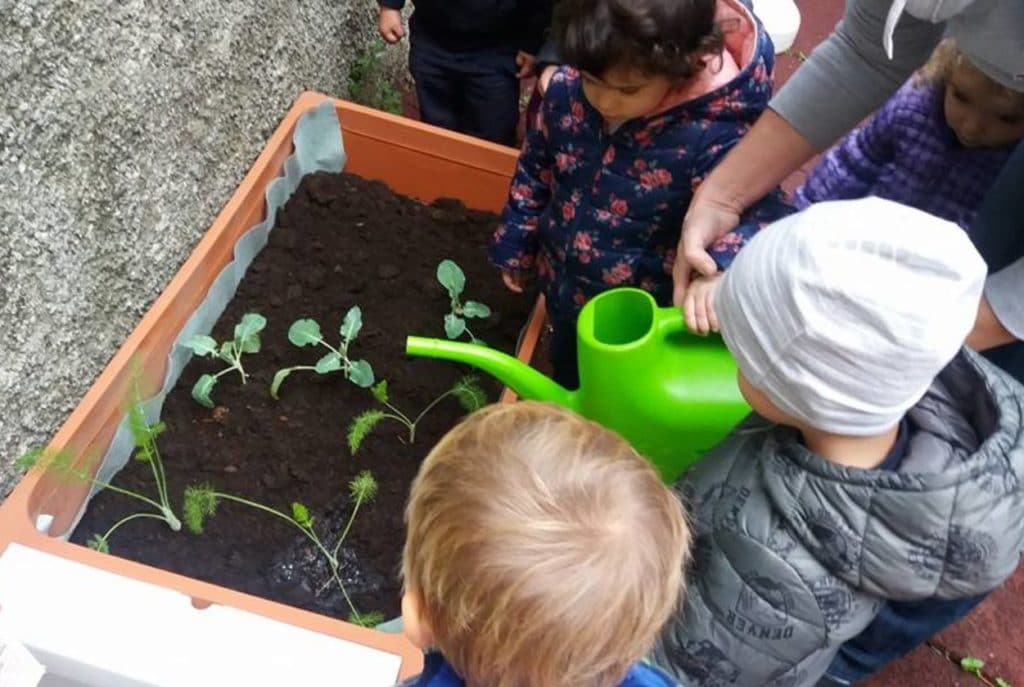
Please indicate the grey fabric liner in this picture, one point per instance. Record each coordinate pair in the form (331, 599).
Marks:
(318, 147)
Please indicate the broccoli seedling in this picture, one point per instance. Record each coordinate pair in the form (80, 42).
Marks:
(247, 340)
(453, 279)
(61, 464)
(307, 332)
(201, 502)
(466, 391)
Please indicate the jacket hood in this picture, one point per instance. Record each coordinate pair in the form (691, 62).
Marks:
(949, 523)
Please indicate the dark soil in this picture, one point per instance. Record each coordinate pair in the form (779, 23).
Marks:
(340, 241)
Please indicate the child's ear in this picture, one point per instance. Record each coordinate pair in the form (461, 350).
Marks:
(414, 621)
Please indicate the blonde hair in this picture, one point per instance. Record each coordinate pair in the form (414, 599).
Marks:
(939, 69)
(545, 550)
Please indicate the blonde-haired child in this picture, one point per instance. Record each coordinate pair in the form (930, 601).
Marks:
(541, 550)
(937, 145)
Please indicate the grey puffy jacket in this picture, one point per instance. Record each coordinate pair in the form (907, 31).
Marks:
(795, 555)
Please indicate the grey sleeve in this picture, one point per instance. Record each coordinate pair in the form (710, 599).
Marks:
(1005, 293)
(849, 75)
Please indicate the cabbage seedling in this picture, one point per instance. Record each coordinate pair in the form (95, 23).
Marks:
(307, 332)
(201, 502)
(247, 340)
(61, 465)
(453, 279)
(466, 391)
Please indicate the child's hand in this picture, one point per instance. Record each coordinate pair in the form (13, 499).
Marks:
(389, 25)
(699, 304)
(513, 280)
(525, 61)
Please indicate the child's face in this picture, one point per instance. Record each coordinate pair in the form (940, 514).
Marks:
(623, 93)
(763, 405)
(979, 111)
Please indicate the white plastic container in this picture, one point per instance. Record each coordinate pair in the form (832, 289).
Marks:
(781, 19)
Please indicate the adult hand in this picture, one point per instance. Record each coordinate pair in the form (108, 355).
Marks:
(389, 25)
(545, 78)
(525, 61)
(706, 221)
(699, 304)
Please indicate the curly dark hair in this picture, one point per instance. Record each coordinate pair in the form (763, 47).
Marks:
(658, 37)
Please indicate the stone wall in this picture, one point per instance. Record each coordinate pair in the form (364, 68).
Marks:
(124, 127)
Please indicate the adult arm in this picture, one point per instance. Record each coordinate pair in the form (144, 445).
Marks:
(1001, 313)
(846, 77)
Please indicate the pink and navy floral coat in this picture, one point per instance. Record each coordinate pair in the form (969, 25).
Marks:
(591, 210)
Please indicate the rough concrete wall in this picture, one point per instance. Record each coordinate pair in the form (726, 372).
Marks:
(124, 127)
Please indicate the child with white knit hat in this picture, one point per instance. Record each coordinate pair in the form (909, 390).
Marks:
(877, 493)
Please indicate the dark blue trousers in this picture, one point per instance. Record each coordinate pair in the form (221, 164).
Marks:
(474, 92)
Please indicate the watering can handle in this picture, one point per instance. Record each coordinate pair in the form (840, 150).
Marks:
(669, 321)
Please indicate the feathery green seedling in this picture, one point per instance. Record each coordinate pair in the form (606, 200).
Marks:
(61, 465)
(201, 502)
(453, 279)
(307, 332)
(466, 391)
(247, 340)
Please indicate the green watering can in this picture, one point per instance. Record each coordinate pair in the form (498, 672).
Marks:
(670, 393)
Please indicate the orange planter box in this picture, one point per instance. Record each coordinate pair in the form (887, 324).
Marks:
(413, 159)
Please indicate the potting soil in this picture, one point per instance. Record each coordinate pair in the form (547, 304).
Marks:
(339, 241)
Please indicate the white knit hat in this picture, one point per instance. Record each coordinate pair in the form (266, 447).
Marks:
(843, 314)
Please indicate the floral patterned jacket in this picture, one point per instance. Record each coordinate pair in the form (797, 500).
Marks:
(590, 210)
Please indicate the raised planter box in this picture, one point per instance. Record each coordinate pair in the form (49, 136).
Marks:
(124, 623)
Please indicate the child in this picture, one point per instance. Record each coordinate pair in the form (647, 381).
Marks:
(467, 56)
(541, 550)
(937, 145)
(658, 92)
(877, 494)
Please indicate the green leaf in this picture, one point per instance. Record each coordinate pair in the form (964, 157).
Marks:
(252, 344)
(304, 332)
(363, 487)
(352, 324)
(451, 277)
(200, 503)
(380, 391)
(1000, 682)
(475, 309)
(250, 325)
(971, 664)
(227, 352)
(98, 543)
(361, 427)
(279, 377)
(469, 394)
(454, 326)
(360, 373)
(201, 390)
(202, 345)
(301, 515)
(329, 363)
(370, 619)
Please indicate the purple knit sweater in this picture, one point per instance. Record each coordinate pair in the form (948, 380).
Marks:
(908, 154)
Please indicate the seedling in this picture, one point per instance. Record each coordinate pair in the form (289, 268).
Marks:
(61, 464)
(201, 503)
(247, 340)
(453, 279)
(975, 666)
(307, 332)
(466, 391)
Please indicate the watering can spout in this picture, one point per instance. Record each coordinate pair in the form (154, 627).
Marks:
(521, 378)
